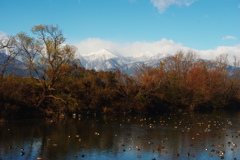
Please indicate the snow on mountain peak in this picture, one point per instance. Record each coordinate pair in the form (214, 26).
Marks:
(102, 54)
(106, 60)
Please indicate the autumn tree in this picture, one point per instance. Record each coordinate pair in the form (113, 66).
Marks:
(225, 89)
(47, 58)
(176, 70)
(149, 81)
(198, 85)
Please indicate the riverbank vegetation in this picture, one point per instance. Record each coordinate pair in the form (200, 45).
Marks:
(54, 83)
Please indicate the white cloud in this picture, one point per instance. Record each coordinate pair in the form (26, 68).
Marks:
(94, 44)
(228, 38)
(162, 5)
(3, 37)
(163, 46)
(212, 54)
(129, 49)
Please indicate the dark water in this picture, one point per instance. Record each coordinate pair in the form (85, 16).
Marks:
(214, 135)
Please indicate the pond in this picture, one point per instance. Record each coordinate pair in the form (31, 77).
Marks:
(183, 135)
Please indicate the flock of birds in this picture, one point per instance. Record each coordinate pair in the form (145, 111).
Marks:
(216, 129)
(181, 126)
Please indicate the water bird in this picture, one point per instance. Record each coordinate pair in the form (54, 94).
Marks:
(150, 142)
(234, 144)
(220, 145)
(210, 155)
(97, 133)
(22, 153)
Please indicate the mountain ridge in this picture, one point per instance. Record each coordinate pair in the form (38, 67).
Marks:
(106, 60)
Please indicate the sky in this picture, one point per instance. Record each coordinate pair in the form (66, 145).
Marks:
(132, 27)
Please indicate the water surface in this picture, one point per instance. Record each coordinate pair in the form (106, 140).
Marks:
(199, 136)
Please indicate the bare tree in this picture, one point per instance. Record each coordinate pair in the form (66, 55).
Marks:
(8, 53)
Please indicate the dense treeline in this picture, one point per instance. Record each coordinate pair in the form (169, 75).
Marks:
(56, 84)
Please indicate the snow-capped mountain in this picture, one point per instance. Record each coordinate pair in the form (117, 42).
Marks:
(99, 56)
(107, 60)
(100, 60)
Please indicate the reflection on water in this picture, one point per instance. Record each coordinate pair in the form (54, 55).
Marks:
(213, 135)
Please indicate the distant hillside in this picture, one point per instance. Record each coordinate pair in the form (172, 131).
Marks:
(16, 68)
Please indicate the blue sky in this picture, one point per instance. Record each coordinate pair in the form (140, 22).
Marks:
(201, 25)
